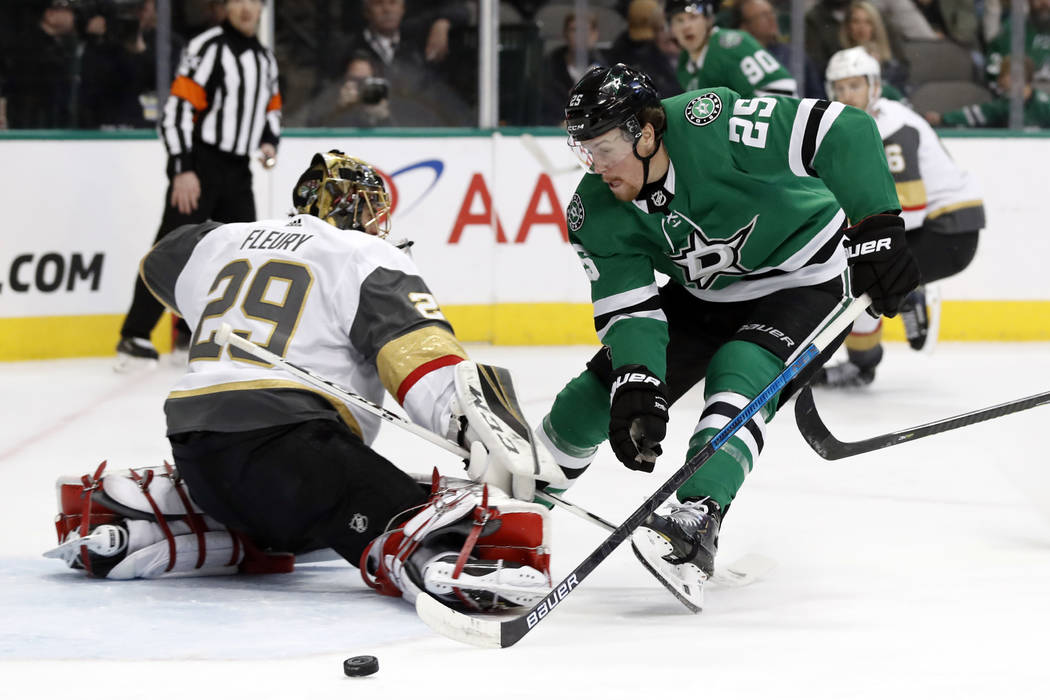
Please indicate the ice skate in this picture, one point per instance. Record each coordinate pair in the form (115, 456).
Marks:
(843, 375)
(679, 548)
(135, 353)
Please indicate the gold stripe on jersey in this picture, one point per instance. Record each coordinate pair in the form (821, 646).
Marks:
(912, 194)
(954, 207)
(860, 342)
(405, 354)
(257, 384)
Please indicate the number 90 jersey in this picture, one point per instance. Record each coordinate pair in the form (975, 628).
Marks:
(348, 306)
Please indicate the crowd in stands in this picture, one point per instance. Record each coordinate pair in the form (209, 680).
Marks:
(364, 63)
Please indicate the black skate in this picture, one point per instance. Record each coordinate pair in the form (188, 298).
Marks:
(679, 548)
(844, 375)
(916, 318)
(133, 353)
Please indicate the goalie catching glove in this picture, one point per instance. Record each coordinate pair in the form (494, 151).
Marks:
(881, 263)
(487, 420)
(469, 546)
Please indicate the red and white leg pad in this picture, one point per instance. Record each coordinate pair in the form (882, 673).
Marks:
(470, 545)
(142, 523)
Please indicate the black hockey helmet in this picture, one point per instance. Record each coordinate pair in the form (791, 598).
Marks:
(707, 8)
(606, 98)
(344, 191)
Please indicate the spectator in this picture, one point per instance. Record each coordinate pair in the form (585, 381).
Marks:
(996, 113)
(636, 46)
(952, 19)
(359, 100)
(118, 77)
(409, 57)
(824, 21)
(759, 19)
(41, 65)
(864, 27)
(560, 72)
(1036, 43)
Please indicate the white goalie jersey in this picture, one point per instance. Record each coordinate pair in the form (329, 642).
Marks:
(933, 191)
(347, 305)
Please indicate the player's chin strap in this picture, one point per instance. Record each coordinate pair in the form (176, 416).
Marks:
(646, 159)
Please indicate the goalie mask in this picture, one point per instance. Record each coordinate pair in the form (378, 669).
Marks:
(344, 191)
(604, 100)
(854, 63)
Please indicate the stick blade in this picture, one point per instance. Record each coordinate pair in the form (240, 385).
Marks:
(455, 625)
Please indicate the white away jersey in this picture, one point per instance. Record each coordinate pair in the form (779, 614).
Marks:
(933, 191)
(348, 306)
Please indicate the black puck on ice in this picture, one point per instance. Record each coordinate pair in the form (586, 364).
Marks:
(360, 665)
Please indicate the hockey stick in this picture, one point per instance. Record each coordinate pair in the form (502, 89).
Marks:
(816, 433)
(225, 335)
(504, 633)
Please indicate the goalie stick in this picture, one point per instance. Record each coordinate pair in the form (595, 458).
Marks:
(504, 633)
(817, 435)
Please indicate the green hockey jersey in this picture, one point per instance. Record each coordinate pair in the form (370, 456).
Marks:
(734, 59)
(753, 202)
(996, 114)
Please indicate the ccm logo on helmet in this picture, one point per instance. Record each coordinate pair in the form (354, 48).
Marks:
(868, 247)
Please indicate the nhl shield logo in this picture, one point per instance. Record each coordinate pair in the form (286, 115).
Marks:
(703, 110)
(574, 214)
(358, 523)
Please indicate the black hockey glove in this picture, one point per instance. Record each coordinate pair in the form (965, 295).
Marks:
(637, 417)
(882, 265)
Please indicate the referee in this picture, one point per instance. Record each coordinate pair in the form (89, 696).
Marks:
(224, 105)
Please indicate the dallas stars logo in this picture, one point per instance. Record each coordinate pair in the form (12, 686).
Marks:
(704, 260)
(704, 109)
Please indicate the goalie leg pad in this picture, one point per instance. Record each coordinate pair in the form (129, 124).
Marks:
(470, 546)
(143, 524)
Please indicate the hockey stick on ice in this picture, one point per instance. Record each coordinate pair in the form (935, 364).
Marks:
(504, 633)
(816, 433)
(226, 335)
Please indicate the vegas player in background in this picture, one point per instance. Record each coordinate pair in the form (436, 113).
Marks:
(277, 466)
(941, 206)
(743, 205)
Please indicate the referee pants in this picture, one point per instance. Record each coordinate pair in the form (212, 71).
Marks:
(226, 196)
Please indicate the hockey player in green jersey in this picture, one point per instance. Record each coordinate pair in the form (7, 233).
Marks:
(712, 56)
(743, 205)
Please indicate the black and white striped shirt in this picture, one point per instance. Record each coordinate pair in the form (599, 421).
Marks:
(225, 95)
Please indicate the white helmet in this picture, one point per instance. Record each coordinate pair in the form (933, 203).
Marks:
(850, 63)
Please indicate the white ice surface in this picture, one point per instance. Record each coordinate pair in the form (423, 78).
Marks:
(921, 571)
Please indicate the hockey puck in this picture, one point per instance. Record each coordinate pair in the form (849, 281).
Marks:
(360, 665)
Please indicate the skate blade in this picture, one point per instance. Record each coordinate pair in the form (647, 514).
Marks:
(126, 364)
(684, 581)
